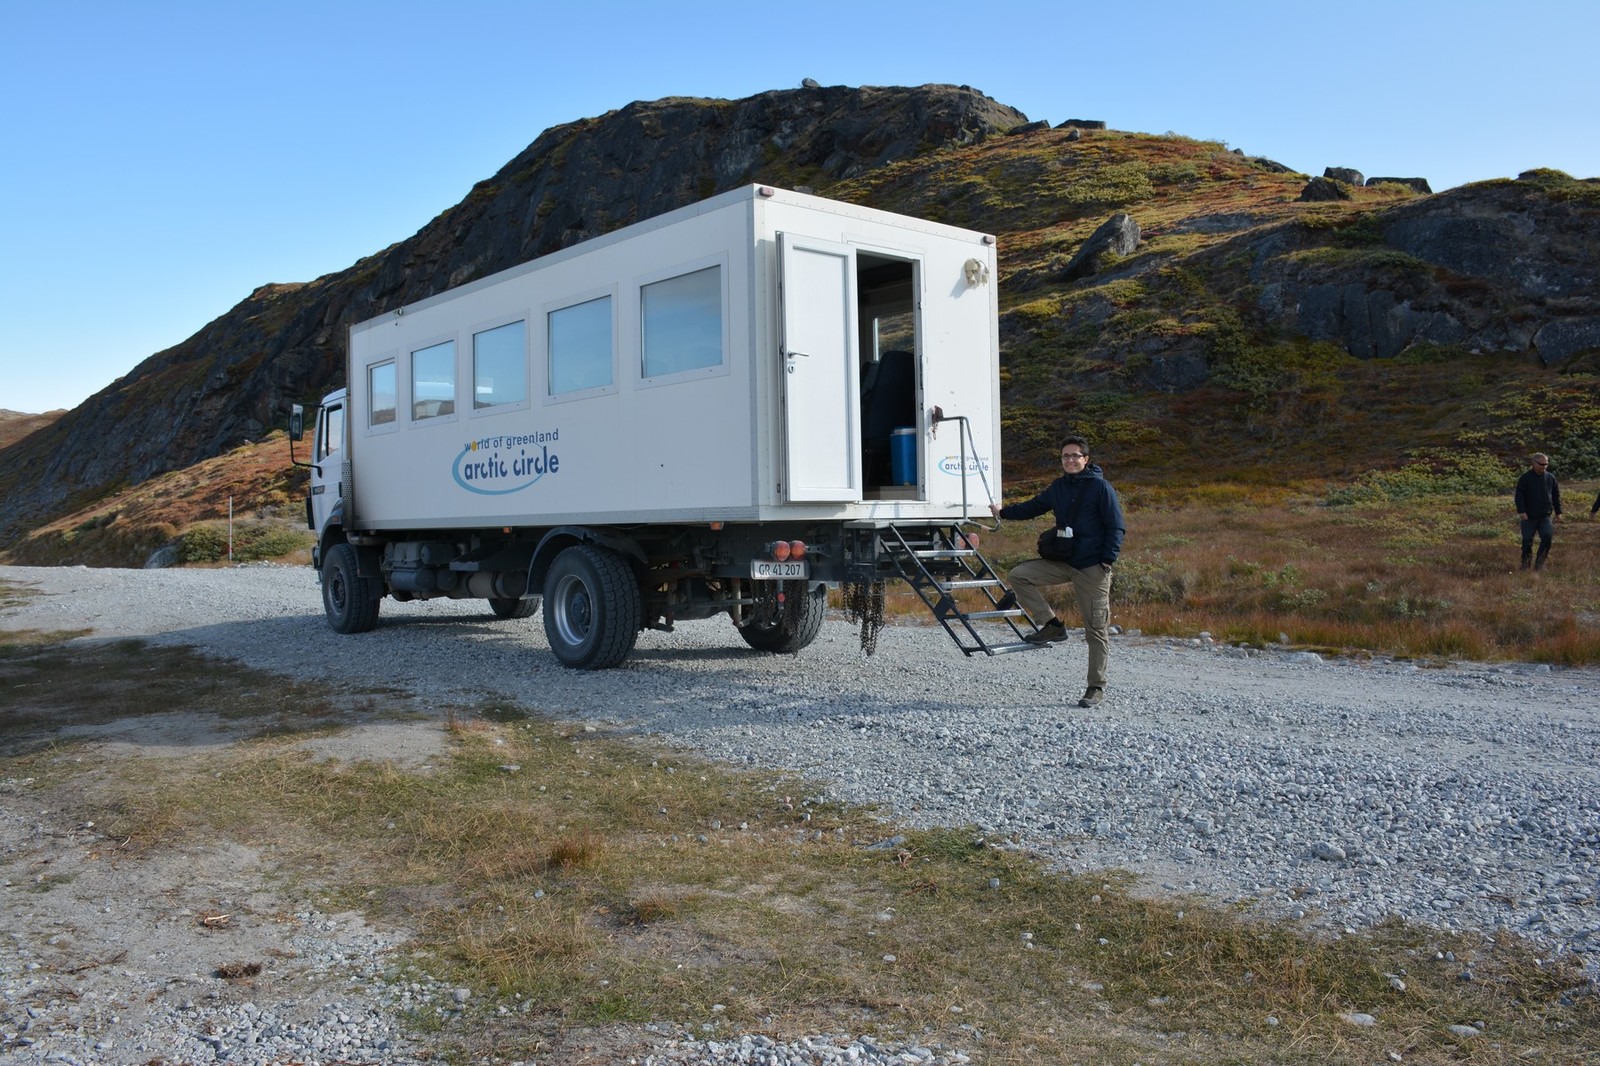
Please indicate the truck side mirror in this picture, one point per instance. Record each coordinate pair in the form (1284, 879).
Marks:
(297, 422)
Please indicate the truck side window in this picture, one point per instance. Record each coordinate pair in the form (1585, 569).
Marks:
(680, 322)
(381, 388)
(500, 365)
(330, 434)
(580, 346)
(433, 381)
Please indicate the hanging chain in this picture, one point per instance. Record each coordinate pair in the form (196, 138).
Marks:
(864, 602)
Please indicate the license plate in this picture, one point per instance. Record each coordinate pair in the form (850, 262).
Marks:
(767, 570)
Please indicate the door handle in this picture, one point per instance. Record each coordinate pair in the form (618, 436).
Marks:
(791, 353)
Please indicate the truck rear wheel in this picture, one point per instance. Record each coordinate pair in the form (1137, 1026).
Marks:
(514, 607)
(792, 627)
(347, 596)
(592, 607)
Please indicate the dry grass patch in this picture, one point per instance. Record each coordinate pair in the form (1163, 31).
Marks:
(1434, 576)
(575, 879)
(188, 508)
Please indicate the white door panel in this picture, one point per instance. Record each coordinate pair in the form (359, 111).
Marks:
(821, 392)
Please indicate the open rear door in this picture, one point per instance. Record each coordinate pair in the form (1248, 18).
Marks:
(821, 387)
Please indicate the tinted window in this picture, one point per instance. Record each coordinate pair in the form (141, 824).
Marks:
(381, 382)
(433, 380)
(680, 320)
(580, 346)
(500, 365)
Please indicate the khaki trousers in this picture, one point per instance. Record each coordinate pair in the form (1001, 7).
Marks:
(1093, 588)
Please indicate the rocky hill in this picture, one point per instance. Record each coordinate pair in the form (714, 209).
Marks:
(14, 425)
(233, 381)
(1156, 290)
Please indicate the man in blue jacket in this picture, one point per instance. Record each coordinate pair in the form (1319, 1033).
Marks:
(1089, 531)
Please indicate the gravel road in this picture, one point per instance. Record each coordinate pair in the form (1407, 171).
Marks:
(1329, 791)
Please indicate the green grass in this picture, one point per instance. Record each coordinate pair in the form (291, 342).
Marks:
(250, 541)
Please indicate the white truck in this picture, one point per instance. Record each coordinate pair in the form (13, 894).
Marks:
(718, 411)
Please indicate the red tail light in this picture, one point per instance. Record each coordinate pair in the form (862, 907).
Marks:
(797, 549)
(780, 550)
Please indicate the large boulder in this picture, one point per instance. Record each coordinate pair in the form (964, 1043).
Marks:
(1324, 189)
(1117, 236)
(1564, 339)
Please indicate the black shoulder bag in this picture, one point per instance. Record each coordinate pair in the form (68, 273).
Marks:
(1059, 549)
(1056, 549)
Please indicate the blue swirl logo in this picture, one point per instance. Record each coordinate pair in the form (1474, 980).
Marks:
(951, 464)
(489, 473)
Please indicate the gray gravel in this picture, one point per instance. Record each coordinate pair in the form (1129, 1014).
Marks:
(1331, 792)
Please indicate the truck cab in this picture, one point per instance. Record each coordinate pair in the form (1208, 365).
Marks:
(327, 459)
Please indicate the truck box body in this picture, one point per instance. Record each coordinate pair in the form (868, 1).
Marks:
(723, 410)
(744, 359)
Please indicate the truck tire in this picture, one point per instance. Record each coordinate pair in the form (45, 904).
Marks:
(514, 607)
(592, 607)
(795, 627)
(347, 597)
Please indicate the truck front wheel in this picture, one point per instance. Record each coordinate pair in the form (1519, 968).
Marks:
(592, 607)
(792, 626)
(346, 595)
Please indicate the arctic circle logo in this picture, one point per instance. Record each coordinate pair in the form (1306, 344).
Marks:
(482, 468)
(951, 464)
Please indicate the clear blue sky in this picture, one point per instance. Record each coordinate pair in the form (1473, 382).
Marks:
(160, 159)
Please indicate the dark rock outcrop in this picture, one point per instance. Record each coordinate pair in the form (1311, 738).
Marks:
(1415, 184)
(1344, 174)
(1117, 235)
(1564, 339)
(1271, 166)
(1371, 323)
(1494, 267)
(1324, 189)
(234, 379)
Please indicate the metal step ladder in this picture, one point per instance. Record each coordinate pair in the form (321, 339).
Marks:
(938, 561)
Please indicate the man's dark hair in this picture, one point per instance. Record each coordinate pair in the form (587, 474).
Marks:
(1075, 439)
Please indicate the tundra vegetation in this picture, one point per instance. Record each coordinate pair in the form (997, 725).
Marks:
(582, 882)
(1280, 487)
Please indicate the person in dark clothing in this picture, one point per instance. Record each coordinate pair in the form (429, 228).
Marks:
(1538, 502)
(1594, 506)
(1090, 528)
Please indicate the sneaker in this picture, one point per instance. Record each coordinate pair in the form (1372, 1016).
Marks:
(1092, 697)
(1051, 631)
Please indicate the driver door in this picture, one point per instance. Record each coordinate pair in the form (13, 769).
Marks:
(327, 464)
